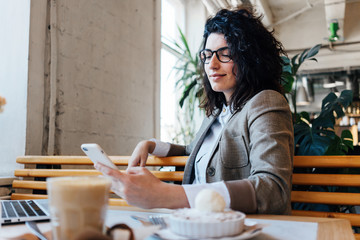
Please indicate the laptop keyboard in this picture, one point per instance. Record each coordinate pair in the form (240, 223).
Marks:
(36, 208)
(21, 208)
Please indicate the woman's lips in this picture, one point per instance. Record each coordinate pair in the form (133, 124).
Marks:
(215, 77)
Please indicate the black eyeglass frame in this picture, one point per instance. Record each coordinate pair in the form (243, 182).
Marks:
(203, 60)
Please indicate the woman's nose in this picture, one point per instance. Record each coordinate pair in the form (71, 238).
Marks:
(214, 62)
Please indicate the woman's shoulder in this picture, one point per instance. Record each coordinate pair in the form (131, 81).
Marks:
(267, 100)
(266, 94)
(266, 97)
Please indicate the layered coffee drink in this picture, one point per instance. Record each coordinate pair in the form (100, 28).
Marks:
(77, 204)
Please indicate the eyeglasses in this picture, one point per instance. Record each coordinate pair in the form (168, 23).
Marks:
(222, 54)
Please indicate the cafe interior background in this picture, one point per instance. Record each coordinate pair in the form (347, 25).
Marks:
(102, 70)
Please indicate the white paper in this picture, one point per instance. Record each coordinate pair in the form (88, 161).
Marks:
(287, 230)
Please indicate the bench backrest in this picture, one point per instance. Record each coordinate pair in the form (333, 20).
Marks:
(32, 179)
(345, 174)
(327, 181)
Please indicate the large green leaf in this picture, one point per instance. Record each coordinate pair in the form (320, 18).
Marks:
(308, 53)
(311, 141)
(333, 103)
(293, 63)
(287, 81)
(347, 138)
(319, 138)
(187, 91)
(340, 145)
(286, 67)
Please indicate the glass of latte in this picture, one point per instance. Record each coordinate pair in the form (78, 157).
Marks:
(77, 204)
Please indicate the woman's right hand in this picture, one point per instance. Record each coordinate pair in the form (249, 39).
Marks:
(140, 153)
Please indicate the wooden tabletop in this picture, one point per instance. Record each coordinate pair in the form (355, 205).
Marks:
(328, 228)
(321, 228)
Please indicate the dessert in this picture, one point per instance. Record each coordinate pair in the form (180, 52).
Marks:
(209, 200)
(208, 219)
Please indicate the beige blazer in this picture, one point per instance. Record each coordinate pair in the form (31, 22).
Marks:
(253, 155)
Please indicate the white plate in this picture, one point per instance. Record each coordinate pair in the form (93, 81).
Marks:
(244, 235)
(166, 234)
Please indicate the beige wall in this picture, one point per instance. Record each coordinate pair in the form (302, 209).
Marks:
(97, 79)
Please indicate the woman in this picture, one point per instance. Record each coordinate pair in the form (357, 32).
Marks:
(244, 148)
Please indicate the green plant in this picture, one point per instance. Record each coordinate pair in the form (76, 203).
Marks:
(189, 76)
(189, 70)
(317, 136)
(290, 69)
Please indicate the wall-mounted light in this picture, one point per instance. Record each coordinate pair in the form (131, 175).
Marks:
(301, 96)
(333, 27)
(329, 82)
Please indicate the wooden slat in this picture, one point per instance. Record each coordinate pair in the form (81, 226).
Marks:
(327, 161)
(23, 196)
(118, 202)
(357, 236)
(351, 180)
(162, 175)
(24, 184)
(83, 160)
(299, 161)
(326, 197)
(27, 184)
(352, 217)
(55, 173)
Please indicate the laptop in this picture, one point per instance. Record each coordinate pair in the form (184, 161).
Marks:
(19, 211)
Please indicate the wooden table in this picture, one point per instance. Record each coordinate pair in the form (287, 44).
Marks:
(326, 228)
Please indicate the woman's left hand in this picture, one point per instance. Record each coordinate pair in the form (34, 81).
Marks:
(139, 187)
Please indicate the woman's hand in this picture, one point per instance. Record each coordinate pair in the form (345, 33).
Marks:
(139, 187)
(140, 153)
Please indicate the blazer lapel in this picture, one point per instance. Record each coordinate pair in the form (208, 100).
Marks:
(219, 137)
(189, 167)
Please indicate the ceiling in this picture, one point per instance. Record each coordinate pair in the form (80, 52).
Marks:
(301, 24)
(278, 12)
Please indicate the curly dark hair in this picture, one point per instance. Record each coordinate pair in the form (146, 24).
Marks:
(256, 55)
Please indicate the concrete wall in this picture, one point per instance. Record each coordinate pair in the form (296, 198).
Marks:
(96, 70)
(14, 42)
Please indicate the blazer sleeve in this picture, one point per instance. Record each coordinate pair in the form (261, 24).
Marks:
(270, 139)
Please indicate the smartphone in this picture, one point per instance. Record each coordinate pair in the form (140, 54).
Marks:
(96, 154)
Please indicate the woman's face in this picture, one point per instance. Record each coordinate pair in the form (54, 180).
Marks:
(221, 76)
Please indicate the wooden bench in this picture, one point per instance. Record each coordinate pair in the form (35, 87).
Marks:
(350, 177)
(52, 166)
(37, 168)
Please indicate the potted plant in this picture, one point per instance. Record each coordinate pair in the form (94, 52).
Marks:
(317, 136)
(189, 82)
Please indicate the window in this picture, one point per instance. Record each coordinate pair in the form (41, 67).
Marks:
(172, 16)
